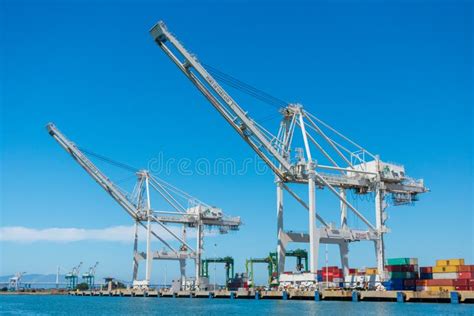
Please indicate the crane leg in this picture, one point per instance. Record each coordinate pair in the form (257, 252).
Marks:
(379, 244)
(344, 250)
(182, 268)
(135, 254)
(314, 239)
(281, 246)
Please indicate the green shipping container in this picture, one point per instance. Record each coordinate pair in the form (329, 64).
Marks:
(401, 261)
(403, 275)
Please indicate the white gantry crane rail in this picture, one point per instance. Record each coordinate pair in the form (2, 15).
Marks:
(186, 211)
(349, 166)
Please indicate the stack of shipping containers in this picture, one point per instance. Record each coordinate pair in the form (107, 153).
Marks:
(447, 275)
(402, 273)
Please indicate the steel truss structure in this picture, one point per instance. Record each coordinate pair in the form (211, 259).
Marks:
(186, 211)
(350, 166)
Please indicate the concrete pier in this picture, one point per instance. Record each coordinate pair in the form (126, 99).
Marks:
(389, 296)
(455, 297)
(301, 295)
(466, 296)
(336, 295)
(272, 295)
(184, 294)
(222, 294)
(245, 294)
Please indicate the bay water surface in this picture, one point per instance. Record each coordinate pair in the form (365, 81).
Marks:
(96, 305)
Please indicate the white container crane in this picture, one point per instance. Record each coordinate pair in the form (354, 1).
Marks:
(187, 211)
(351, 167)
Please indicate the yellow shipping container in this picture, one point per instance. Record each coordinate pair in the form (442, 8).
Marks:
(441, 269)
(450, 262)
(441, 288)
(371, 271)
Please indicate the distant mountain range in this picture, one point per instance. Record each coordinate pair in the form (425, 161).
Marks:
(35, 278)
(44, 280)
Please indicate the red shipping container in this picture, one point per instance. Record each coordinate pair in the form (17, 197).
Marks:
(462, 288)
(401, 268)
(471, 282)
(421, 282)
(426, 269)
(466, 275)
(332, 268)
(352, 271)
(440, 282)
(466, 268)
(461, 282)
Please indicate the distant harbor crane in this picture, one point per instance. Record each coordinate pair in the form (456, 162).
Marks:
(72, 277)
(340, 166)
(270, 261)
(89, 276)
(228, 266)
(14, 283)
(272, 266)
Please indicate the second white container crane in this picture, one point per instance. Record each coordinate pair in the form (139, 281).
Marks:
(186, 211)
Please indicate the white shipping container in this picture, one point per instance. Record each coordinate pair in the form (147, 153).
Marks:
(445, 275)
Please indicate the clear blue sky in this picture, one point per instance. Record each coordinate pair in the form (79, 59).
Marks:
(395, 76)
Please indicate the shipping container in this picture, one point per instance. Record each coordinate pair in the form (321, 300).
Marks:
(421, 288)
(446, 275)
(441, 288)
(401, 261)
(466, 268)
(409, 282)
(450, 262)
(462, 288)
(426, 269)
(466, 275)
(371, 271)
(461, 282)
(426, 275)
(403, 275)
(402, 268)
(421, 282)
(440, 282)
(441, 269)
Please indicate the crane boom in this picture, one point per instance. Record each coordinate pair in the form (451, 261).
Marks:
(223, 102)
(92, 170)
(101, 179)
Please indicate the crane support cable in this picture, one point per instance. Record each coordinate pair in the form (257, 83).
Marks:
(110, 161)
(245, 87)
(338, 133)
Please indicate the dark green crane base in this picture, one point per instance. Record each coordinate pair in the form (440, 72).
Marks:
(229, 267)
(272, 265)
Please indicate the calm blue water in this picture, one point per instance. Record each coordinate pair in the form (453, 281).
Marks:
(76, 305)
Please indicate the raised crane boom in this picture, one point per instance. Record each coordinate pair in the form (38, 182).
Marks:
(101, 179)
(92, 170)
(223, 102)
